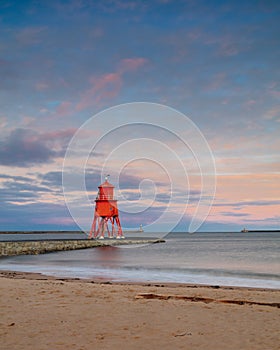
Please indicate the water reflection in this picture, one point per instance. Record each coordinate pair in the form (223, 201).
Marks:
(108, 256)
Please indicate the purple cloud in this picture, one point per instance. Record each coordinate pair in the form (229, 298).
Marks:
(25, 147)
(229, 213)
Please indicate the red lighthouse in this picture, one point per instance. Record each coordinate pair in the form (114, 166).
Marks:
(106, 215)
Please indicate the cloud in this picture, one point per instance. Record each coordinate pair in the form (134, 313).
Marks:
(92, 177)
(268, 221)
(130, 195)
(108, 85)
(250, 103)
(248, 203)
(61, 136)
(60, 220)
(19, 189)
(64, 108)
(229, 48)
(26, 147)
(41, 86)
(228, 213)
(52, 178)
(104, 87)
(16, 178)
(163, 197)
(273, 113)
(30, 35)
(12, 195)
(216, 82)
(23, 147)
(35, 216)
(128, 181)
(131, 64)
(145, 217)
(3, 122)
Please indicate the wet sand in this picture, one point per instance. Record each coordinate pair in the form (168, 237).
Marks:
(40, 312)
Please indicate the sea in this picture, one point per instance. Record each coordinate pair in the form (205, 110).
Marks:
(248, 259)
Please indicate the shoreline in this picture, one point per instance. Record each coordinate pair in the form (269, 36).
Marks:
(110, 278)
(45, 312)
(41, 276)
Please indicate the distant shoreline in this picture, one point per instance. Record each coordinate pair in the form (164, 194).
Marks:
(125, 231)
(252, 231)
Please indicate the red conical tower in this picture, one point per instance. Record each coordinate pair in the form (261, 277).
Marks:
(106, 215)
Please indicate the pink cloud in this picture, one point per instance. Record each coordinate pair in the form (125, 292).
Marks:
(105, 87)
(245, 216)
(243, 197)
(250, 103)
(247, 187)
(108, 86)
(131, 64)
(27, 121)
(58, 135)
(64, 108)
(105, 79)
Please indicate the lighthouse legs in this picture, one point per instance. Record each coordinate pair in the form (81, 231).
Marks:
(101, 225)
(120, 233)
(92, 230)
(97, 228)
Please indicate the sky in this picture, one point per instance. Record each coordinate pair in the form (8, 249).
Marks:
(216, 62)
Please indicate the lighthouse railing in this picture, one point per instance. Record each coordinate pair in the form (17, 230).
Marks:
(105, 197)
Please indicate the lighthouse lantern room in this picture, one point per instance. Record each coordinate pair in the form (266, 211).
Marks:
(106, 214)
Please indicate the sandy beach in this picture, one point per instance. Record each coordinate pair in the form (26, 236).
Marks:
(40, 312)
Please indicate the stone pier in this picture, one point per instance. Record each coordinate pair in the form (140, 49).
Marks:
(46, 246)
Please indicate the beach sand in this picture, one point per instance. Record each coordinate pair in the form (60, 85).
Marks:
(40, 312)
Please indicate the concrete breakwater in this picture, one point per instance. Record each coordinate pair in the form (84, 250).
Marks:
(10, 248)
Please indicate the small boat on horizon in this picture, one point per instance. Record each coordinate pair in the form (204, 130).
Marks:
(244, 230)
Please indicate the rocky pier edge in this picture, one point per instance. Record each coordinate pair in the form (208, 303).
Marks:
(11, 248)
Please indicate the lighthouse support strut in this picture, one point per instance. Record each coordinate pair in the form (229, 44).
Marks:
(102, 225)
